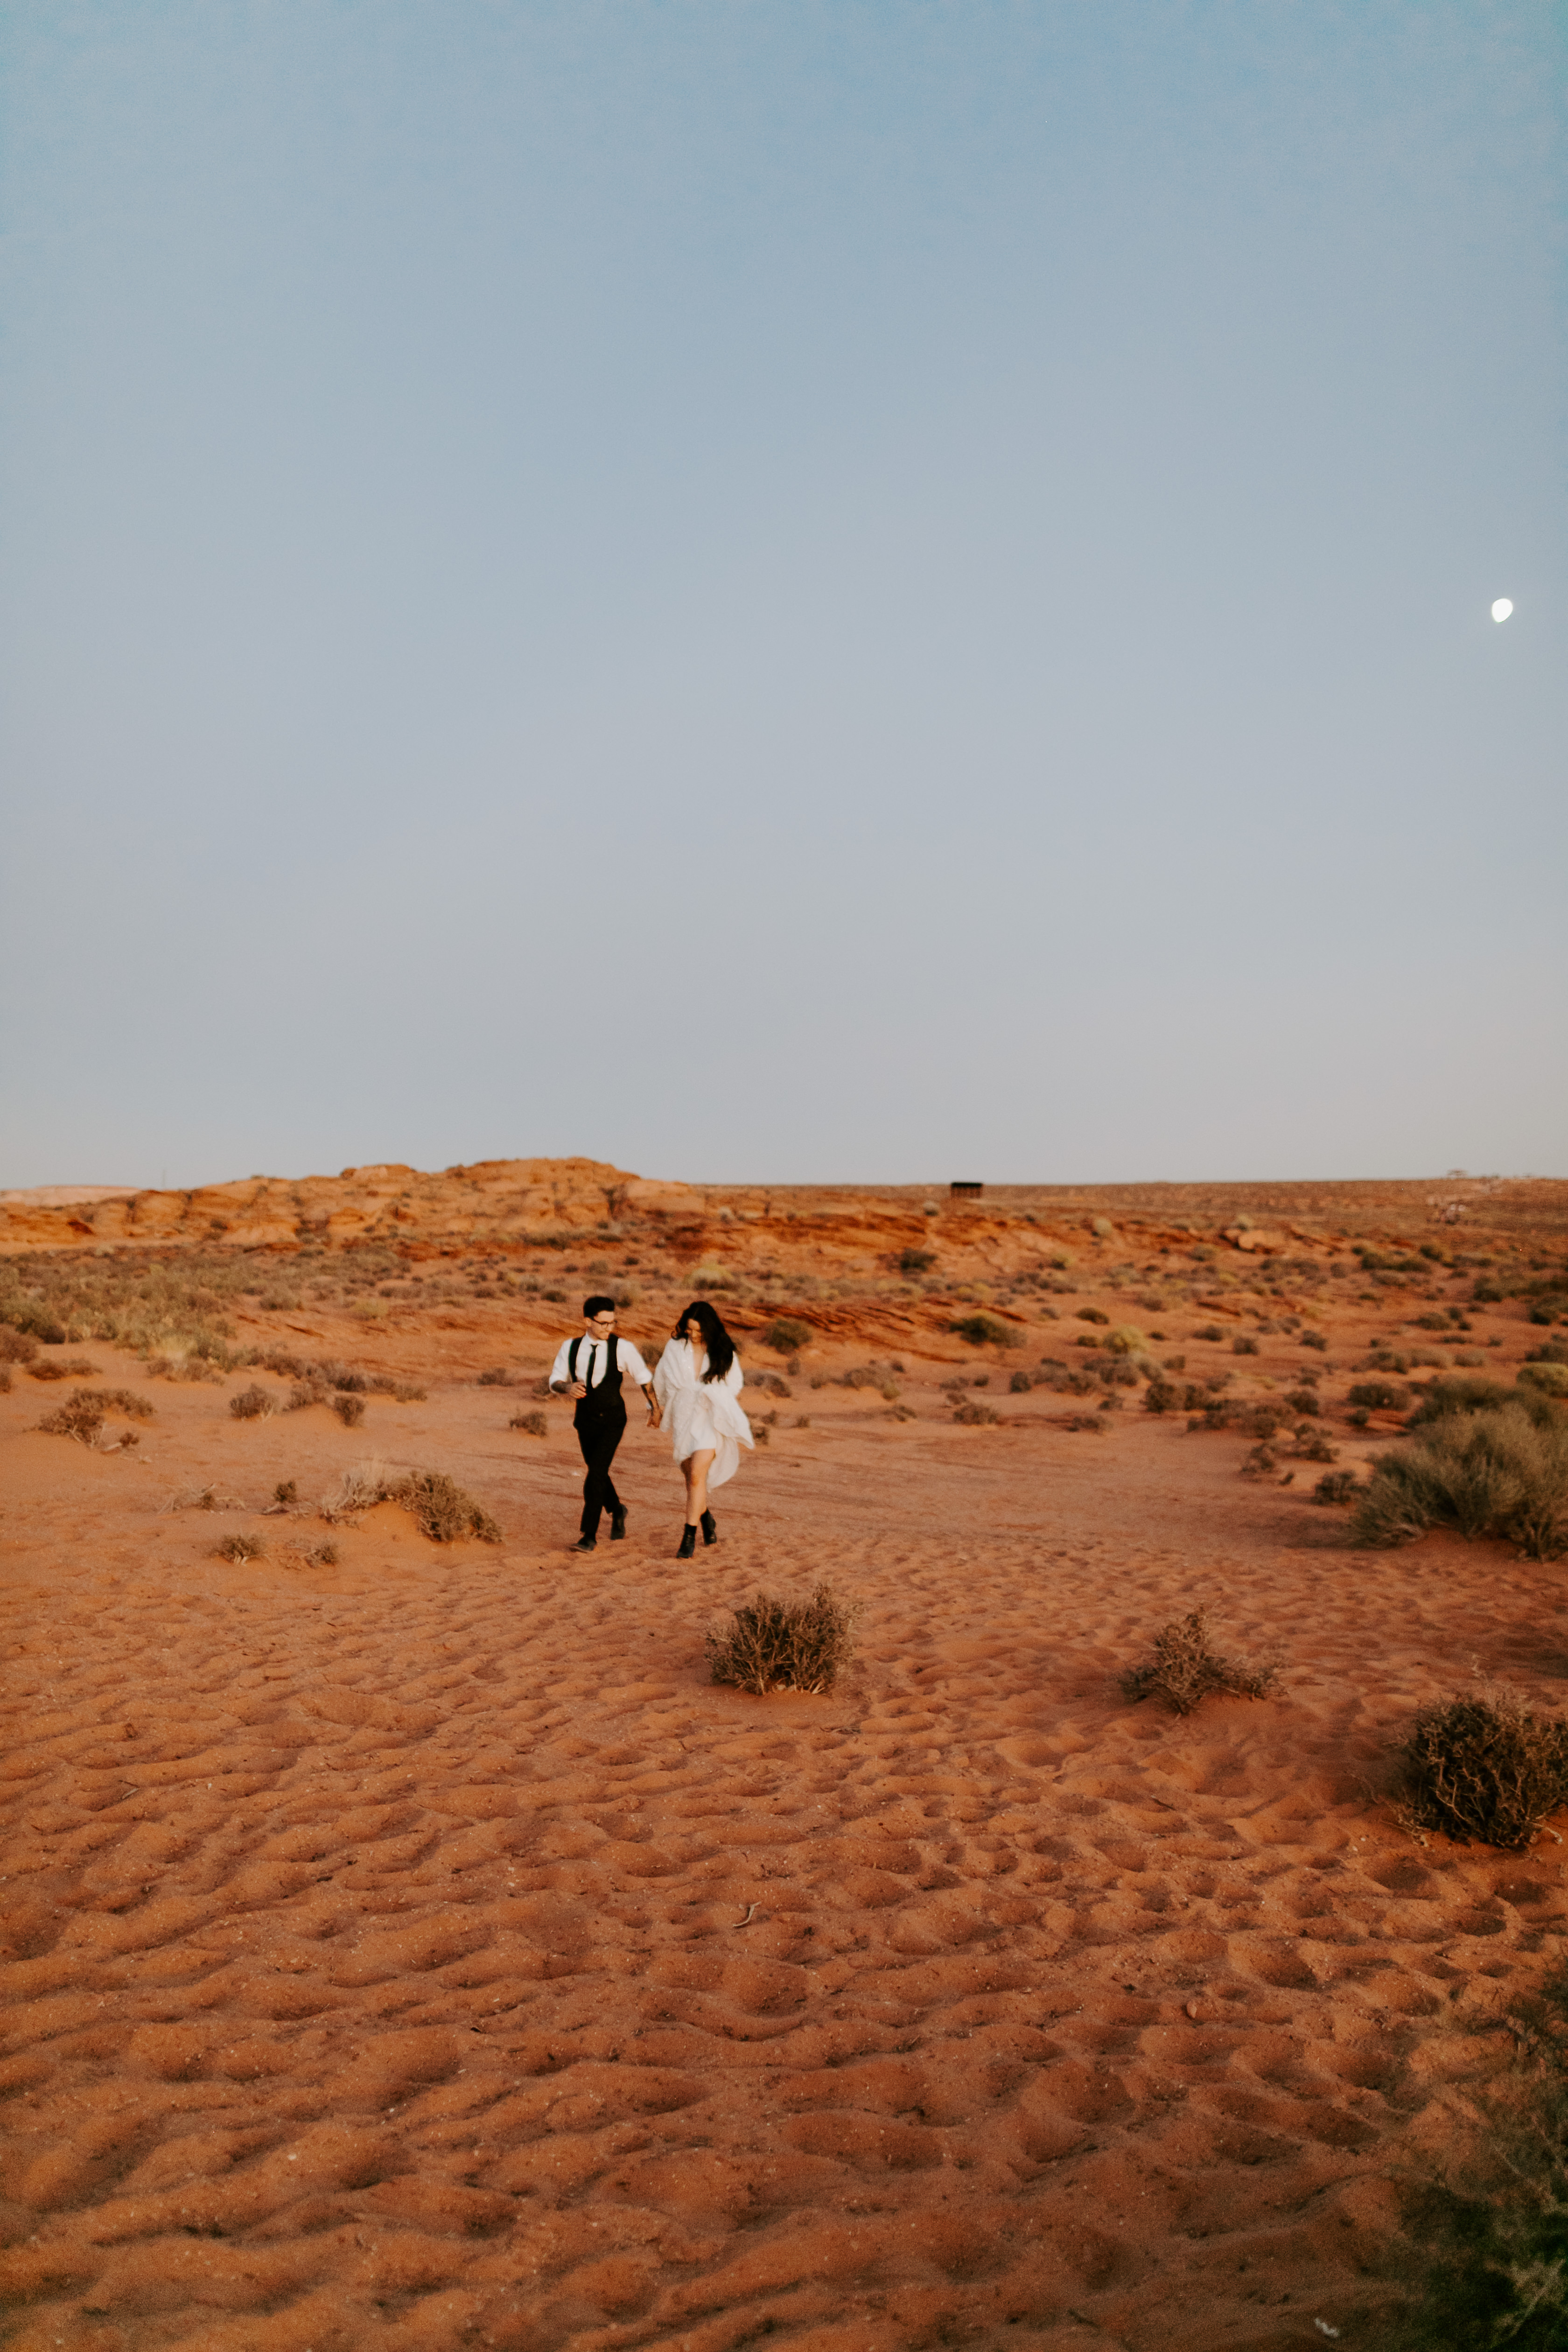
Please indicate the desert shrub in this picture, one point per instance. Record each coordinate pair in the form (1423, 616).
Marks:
(902, 1412)
(1551, 1380)
(4, 1380)
(1117, 1372)
(1553, 1351)
(916, 1261)
(62, 1367)
(497, 1376)
(349, 1408)
(1303, 1400)
(982, 1330)
(1162, 1396)
(254, 1404)
(442, 1509)
(16, 1347)
(1092, 1315)
(285, 1494)
(972, 1414)
(1336, 1486)
(1311, 1445)
(1183, 1669)
(1314, 1340)
(1259, 1462)
(1126, 1339)
(862, 1376)
(783, 1646)
(786, 1335)
(34, 1323)
(240, 1547)
(307, 1391)
(1088, 1421)
(1465, 1396)
(1020, 1384)
(769, 1383)
(1244, 1344)
(1486, 1770)
(534, 1423)
(1488, 1472)
(85, 1411)
(1376, 1396)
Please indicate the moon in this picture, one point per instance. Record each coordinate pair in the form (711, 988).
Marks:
(1502, 608)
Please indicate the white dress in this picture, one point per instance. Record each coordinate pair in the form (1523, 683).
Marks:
(701, 1413)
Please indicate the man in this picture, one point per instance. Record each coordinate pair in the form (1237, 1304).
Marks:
(588, 1368)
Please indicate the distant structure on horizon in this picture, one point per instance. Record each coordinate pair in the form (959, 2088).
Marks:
(966, 1191)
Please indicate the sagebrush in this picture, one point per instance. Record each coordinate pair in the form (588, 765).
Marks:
(1486, 1770)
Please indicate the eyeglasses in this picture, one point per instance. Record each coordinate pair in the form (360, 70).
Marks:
(601, 1318)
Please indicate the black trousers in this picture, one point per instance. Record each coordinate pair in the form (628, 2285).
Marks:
(598, 1435)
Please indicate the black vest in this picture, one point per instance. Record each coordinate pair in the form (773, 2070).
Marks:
(605, 1396)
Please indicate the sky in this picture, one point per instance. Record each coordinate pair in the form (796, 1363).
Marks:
(796, 590)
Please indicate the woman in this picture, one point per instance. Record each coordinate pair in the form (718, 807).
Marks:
(697, 1383)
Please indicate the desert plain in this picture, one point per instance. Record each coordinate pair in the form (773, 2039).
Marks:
(408, 1944)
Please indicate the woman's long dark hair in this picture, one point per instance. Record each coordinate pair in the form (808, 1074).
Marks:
(715, 1338)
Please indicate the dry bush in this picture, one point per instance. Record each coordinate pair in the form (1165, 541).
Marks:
(770, 1384)
(1183, 1669)
(241, 1548)
(1500, 1473)
(972, 1414)
(1021, 1383)
(1486, 1770)
(285, 1494)
(440, 1508)
(16, 1347)
(62, 1367)
(1550, 1379)
(1244, 1344)
(784, 1645)
(497, 1376)
(254, 1404)
(1259, 1462)
(4, 1380)
(1315, 1339)
(786, 1335)
(350, 1410)
(898, 1413)
(84, 1413)
(1126, 1339)
(1376, 1396)
(1304, 1400)
(1337, 1487)
(534, 1423)
(1090, 1420)
(1311, 1445)
(916, 1261)
(307, 1392)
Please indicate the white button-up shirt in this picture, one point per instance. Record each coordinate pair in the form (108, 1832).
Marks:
(592, 1356)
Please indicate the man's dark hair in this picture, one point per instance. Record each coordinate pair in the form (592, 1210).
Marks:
(597, 1305)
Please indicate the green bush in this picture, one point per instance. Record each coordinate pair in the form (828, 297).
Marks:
(983, 1330)
(1501, 1471)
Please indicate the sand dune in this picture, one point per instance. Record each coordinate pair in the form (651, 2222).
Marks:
(421, 1951)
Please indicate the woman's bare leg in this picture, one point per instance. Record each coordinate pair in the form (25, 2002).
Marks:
(695, 1469)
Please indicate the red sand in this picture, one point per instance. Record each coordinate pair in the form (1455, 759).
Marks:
(425, 1953)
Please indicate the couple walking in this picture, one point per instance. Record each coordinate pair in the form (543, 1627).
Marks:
(697, 1386)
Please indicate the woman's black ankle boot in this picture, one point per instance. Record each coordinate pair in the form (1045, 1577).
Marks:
(710, 1528)
(688, 1544)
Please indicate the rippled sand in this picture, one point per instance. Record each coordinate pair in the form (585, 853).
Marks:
(425, 1953)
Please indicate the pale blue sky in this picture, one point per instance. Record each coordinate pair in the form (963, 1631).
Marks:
(796, 591)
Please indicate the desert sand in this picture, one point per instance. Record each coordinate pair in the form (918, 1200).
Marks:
(421, 1951)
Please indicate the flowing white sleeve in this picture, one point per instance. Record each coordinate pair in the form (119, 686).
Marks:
(632, 1358)
(734, 1377)
(558, 1370)
(665, 1382)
